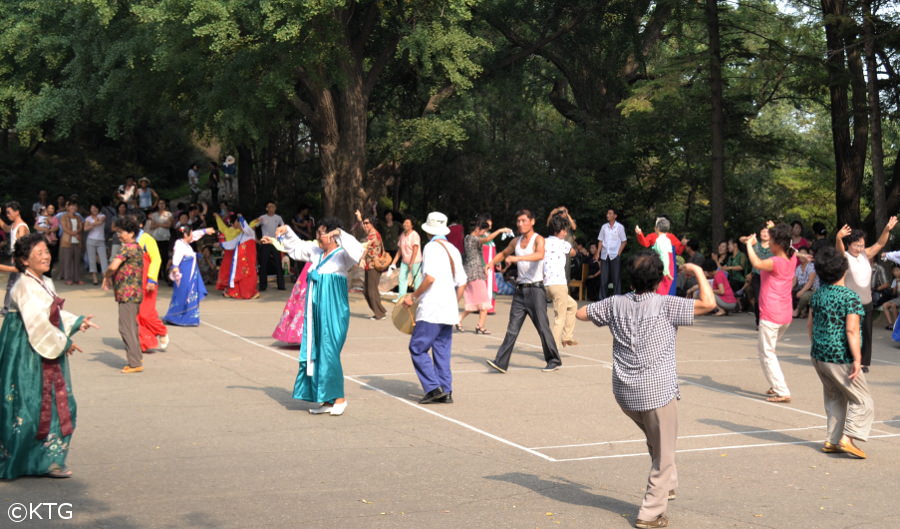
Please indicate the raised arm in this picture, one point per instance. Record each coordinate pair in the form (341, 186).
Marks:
(839, 238)
(873, 250)
(765, 265)
(707, 300)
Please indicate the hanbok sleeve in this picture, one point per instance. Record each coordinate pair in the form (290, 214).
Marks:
(354, 249)
(226, 230)
(34, 308)
(196, 235)
(181, 251)
(296, 248)
(894, 257)
(149, 245)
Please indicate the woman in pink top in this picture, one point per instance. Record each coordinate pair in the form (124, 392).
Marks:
(776, 277)
(725, 300)
(410, 245)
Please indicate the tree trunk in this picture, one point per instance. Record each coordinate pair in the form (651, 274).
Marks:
(844, 72)
(717, 188)
(245, 180)
(878, 180)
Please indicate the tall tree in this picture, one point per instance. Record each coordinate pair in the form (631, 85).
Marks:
(717, 124)
(849, 108)
(878, 179)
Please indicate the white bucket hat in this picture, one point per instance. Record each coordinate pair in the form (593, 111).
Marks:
(436, 224)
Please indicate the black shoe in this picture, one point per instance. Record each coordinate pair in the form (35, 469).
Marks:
(433, 396)
(495, 366)
(865, 369)
(446, 399)
(551, 368)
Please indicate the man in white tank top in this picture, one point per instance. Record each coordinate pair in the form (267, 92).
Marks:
(17, 229)
(527, 252)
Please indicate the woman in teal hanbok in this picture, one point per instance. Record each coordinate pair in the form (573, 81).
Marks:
(37, 411)
(327, 316)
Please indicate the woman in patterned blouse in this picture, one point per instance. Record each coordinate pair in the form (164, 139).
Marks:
(374, 249)
(125, 274)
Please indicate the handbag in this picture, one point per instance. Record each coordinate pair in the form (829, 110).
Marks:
(383, 261)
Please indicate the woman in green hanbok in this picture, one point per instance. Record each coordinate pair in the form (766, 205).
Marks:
(37, 410)
(327, 313)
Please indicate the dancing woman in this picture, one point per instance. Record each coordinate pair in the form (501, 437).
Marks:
(477, 295)
(237, 275)
(37, 408)
(326, 314)
(666, 246)
(189, 291)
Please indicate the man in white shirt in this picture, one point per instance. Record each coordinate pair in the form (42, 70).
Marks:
(859, 276)
(610, 245)
(268, 224)
(438, 311)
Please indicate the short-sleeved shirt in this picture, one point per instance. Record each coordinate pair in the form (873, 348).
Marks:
(474, 258)
(803, 272)
(720, 279)
(830, 305)
(775, 303)
(555, 252)
(859, 276)
(374, 250)
(643, 328)
(612, 238)
(268, 224)
(127, 281)
(737, 260)
(406, 243)
(439, 304)
(763, 252)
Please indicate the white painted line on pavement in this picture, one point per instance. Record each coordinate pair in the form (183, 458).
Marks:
(751, 399)
(698, 436)
(395, 397)
(455, 421)
(712, 448)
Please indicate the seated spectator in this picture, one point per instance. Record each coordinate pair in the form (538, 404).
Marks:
(881, 280)
(725, 300)
(207, 265)
(804, 283)
(797, 240)
(892, 298)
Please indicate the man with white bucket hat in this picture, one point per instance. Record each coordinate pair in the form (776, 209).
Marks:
(438, 311)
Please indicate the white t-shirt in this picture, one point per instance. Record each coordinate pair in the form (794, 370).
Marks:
(98, 232)
(439, 303)
(612, 238)
(555, 252)
(268, 223)
(859, 276)
(161, 234)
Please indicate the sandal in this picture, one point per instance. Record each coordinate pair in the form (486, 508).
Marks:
(779, 398)
(481, 330)
(770, 391)
(459, 328)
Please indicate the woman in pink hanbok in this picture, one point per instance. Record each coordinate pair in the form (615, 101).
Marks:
(290, 328)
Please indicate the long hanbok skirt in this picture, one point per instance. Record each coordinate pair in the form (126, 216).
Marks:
(290, 328)
(184, 308)
(667, 286)
(245, 280)
(149, 324)
(20, 407)
(329, 320)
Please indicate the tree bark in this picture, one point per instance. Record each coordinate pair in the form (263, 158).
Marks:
(717, 187)
(878, 180)
(245, 179)
(845, 73)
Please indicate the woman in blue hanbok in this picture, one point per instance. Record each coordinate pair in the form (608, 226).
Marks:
(189, 291)
(37, 409)
(327, 314)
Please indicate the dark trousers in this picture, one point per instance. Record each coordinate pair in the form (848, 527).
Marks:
(609, 271)
(371, 293)
(756, 286)
(433, 372)
(866, 347)
(531, 302)
(267, 253)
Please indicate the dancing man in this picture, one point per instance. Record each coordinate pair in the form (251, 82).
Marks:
(529, 300)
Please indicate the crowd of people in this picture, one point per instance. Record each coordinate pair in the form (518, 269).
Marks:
(837, 285)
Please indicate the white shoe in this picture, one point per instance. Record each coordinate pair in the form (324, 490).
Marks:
(163, 342)
(338, 409)
(324, 408)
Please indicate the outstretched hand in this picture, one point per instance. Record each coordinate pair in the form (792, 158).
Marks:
(891, 223)
(846, 230)
(88, 323)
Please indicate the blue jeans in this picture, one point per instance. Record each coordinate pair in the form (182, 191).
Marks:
(404, 275)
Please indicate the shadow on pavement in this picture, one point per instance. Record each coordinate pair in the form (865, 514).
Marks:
(705, 380)
(563, 490)
(282, 396)
(404, 389)
(756, 433)
(108, 358)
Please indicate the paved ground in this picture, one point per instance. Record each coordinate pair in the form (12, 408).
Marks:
(209, 437)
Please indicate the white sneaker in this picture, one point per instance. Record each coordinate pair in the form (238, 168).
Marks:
(163, 342)
(338, 409)
(324, 408)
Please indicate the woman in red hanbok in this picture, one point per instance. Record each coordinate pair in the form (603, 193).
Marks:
(667, 246)
(237, 274)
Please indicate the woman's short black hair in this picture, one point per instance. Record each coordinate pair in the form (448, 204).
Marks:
(709, 265)
(127, 223)
(24, 246)
(558, 223)
(854, 236)
(330, 224)
(479, 223)
(646, 271)
(831, 265)
(780, 234)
